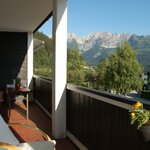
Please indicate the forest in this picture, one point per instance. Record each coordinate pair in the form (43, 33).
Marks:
(118, 73)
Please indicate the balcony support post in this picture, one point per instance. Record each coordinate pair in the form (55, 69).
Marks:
(59, 68)
(30, 63)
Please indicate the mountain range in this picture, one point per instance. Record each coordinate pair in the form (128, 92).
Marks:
(99, 45)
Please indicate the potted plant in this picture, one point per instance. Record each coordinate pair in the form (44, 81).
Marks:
(141, 118)
(18, 82)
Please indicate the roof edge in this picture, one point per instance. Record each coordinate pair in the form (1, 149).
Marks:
(49, 16)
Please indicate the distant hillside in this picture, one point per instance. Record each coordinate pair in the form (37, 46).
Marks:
(94, 47)
(42, 56)
(99, 45)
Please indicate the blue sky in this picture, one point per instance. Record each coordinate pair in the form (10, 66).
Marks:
(116, 16)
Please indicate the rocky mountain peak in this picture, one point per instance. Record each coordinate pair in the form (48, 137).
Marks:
(100, 39)
(98, 45)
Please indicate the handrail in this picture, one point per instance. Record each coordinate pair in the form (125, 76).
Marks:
(112, 99)
(43, 78)
(115, 100)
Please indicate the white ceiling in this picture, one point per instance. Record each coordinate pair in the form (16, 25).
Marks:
(23, 15)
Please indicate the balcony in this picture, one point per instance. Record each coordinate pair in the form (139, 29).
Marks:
(19, 21)
(94, 119)
(90, 119)
(42, 121)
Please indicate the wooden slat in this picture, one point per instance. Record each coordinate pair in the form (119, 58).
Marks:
(42, 91)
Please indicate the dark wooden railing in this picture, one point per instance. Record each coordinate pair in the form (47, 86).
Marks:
(98, 120)
(101, 121)
(42, 92)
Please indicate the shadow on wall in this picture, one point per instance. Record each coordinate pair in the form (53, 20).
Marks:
(13, 50)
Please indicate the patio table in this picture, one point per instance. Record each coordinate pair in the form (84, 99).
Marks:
(22, 91)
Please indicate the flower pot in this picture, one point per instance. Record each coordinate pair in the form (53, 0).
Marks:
(17, 86)
(145, 132)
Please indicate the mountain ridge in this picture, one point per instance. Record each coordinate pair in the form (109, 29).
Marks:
(96, 46)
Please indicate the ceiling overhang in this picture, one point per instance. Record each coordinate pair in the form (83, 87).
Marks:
(23, 15)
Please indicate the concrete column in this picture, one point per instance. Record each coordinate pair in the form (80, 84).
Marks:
(30, 62)
(59, 68)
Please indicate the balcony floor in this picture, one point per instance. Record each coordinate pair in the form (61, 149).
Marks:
(38, 119)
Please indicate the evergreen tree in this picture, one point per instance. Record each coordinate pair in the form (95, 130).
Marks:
(91, 78)
(75, 67)
(122, 72)
(102, 74)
